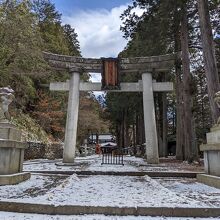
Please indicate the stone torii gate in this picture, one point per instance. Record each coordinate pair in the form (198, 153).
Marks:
(144, 65)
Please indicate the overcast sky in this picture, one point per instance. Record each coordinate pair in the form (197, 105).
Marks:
(97, 23)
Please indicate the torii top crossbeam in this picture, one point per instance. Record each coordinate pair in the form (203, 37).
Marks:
(137, 64)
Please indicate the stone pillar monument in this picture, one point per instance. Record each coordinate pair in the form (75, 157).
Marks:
(11, 147)
(72, 119)
(212, 153)
(149, 120)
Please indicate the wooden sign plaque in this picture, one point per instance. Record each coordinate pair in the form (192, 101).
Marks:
(110, 76)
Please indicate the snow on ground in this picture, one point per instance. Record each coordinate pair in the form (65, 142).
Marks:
(98, 191)
(19, 216)
(109, 190)
(50, 165)
(115, 191)
(192, 189)
(96, 166)
(35, 186)
(93, 163)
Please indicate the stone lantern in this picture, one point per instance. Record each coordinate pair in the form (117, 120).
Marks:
(11, 146)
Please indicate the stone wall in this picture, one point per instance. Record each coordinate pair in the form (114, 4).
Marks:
(34, 151)
(37, 150)
(54, 151)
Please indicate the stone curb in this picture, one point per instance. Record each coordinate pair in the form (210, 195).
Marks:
(120, 211)
(16, 178)
(209, 180)
(150, 173)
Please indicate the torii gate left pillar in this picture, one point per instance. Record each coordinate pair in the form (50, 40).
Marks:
(72, 119)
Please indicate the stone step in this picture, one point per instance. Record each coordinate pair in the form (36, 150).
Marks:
(14, 178)
(113, 173)
(51, 209)
(210, 180)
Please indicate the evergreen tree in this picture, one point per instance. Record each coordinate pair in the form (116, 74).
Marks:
(72, 41)
(158, 31)
(20, 39)
(209, 56)
(26, 29)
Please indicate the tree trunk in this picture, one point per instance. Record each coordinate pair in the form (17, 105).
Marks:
(141, 125)
(187, 96)
(123, 129)
(137, 130)
(179, 97)
(159, 115)
(209, 56)
(143, 130)
(97, 138)
(174, 118)
(126, 129)
(160, 123)
(164, 148)
(180, 116)
(134, 138)
(118, 134)
(195, 150)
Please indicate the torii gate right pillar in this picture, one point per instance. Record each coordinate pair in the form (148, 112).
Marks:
(149, 120)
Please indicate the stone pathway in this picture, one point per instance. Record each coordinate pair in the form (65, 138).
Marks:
(93, 163)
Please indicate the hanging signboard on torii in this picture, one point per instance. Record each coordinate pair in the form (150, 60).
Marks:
(110, 74)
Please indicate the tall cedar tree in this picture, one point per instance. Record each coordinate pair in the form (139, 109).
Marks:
(161, 20)
(28, 27)
(209, 56)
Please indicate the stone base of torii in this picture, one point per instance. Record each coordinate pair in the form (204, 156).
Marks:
(147, 86)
